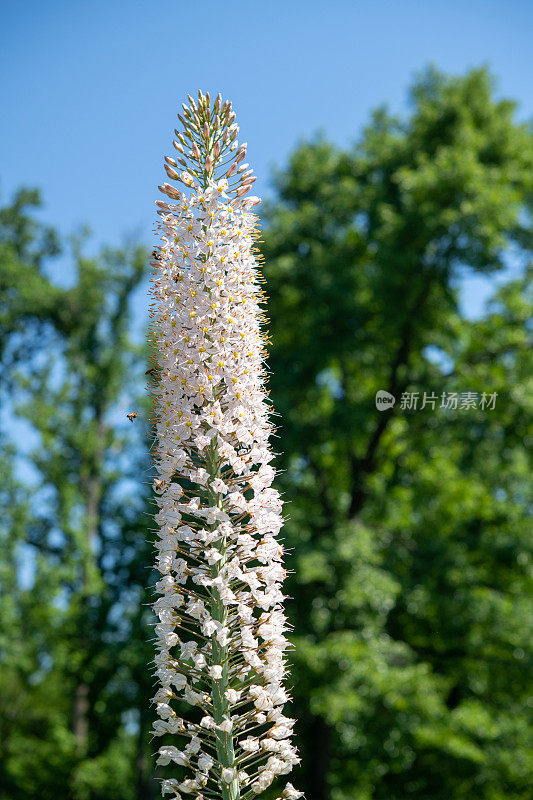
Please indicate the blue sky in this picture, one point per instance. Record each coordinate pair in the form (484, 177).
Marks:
(89, 91)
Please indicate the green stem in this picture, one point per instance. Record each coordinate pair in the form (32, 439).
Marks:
(220, 655)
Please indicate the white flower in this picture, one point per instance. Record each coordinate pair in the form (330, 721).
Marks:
(291, 793)
(189, 786)
(194, 745)
(179, 680)
(165, 711)
(219, 485)
(251, 744)
(229, 774)
(170, 786)
(205, 762)
(192, 697)
(215, 672)
(213, 555)
(168, 754)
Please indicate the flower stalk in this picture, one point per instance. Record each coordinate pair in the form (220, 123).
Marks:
(220, 653)
(221, 633)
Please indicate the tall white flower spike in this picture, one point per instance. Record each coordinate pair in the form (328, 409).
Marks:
(221, 630)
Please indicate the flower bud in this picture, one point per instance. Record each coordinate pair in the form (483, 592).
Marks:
(169, 190)
(171, 172)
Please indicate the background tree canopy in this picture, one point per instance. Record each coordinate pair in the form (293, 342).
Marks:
(409, 530)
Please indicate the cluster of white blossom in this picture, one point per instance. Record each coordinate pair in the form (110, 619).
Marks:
(221, 632)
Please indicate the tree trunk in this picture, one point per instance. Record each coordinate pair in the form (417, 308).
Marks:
(80, 725)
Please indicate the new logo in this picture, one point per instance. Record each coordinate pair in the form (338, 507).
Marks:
(384, 400)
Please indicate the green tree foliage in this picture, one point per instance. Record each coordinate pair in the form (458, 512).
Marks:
(28, 300)
(410, 530)
(73, 572)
